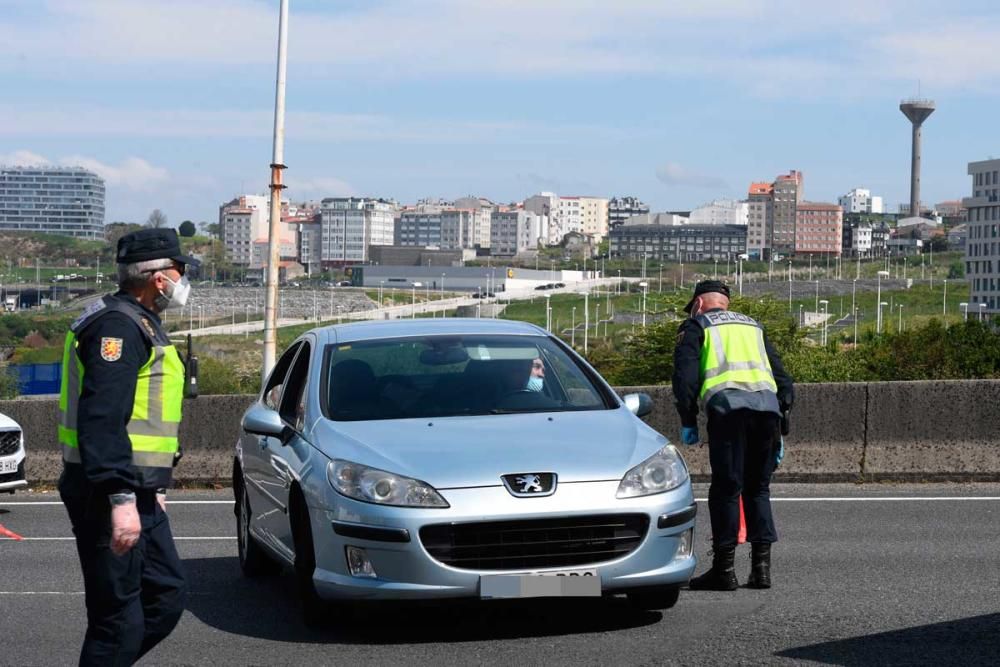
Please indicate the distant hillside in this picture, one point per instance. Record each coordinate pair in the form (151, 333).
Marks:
(54, 250)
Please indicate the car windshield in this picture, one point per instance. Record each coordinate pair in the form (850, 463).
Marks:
(450, 376)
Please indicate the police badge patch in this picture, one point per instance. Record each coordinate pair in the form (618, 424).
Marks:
(111, 349)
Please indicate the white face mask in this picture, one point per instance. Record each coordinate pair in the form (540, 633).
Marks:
(177, 293)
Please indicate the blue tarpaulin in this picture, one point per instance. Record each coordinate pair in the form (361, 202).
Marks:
(35, 379)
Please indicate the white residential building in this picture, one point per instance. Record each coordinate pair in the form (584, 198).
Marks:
(351, 225)
(982, 249)
(860, 200)
(448, 229)
(721, 212)
(243, 221)
(664, 219)
(518, 231)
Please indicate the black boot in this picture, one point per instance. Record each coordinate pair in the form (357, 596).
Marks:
(760, 565)
(722, 576)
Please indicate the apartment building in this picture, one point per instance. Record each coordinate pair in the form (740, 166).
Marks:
(721, 212)
(518, 231)
(446, 229)
(583, 215)
(349, 226)
(242, 221)
(686, 243)
(788, 192)
(621, 209)
(860, 200)
(53, 200)
(760, 219)
(982, 246)
(818, 228)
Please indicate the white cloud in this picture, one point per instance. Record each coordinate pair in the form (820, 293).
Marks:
(132, 173)
(23, 158)
(770, 47)
(672, 173)
(320, 186)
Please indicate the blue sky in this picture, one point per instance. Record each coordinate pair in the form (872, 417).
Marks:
(675, 102)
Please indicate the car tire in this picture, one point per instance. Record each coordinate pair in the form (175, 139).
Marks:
(315, 611)
(253, 560)
(654, 597)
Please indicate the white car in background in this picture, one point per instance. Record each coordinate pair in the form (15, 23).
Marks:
(11, 456)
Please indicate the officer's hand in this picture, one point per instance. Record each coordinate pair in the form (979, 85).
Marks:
(689, 435)
(161, 500)
(125, 528)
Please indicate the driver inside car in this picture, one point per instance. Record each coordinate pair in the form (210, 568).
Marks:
(536, 380)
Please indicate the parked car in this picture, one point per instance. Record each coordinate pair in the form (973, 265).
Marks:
(344, 283)
(409, 459)
(12, 456)
(559, 285)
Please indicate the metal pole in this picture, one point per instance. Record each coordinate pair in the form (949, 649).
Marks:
(586, 319)
(274, 230)
(944, 300)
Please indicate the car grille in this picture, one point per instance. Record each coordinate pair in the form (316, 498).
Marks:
(10, 442)
(535, 543)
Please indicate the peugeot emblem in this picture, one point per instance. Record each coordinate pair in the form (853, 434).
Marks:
(530, 484)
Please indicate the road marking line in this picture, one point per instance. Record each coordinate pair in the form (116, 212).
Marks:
(64, 539)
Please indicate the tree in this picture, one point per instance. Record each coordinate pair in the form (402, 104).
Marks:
(156, 219)
(187, 229)
(116, 230)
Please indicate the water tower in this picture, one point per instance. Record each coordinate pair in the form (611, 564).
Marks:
(917, 111)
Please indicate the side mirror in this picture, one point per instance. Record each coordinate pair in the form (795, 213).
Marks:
(261, 420)
(638, 404)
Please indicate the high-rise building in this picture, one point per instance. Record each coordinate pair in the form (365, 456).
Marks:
(982, 246)
(818, 228)
(621, 209)
(721, 212)
(760, 219)
(54, 200)
(349, 226)
(788, 192)
(860, 200)
(517, 231)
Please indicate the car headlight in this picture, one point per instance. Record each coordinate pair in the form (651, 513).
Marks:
(663, 471)
(371, 485)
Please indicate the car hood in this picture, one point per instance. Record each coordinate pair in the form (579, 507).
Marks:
(457, 452)
(8, 424)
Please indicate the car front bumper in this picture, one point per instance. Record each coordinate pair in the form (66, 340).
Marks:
(12, 481)
(405, 569)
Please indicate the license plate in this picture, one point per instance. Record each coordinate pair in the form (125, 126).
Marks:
(560, 583)
(8, 467)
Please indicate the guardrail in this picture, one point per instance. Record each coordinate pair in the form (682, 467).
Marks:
(879, 431)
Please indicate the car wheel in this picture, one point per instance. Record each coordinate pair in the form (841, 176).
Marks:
(654, 597)
(315, 611)
(253, 561)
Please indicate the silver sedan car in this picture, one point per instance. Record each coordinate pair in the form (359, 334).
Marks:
(446, 458)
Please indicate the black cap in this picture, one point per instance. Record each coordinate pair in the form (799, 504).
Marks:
(147, 244)
(704, 287)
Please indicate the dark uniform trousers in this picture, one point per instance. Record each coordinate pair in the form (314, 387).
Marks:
(742, 447)
(134, 600)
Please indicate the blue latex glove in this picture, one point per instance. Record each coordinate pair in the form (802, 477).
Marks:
(689, 435)
(779, 457)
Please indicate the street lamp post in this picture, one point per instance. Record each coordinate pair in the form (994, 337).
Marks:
(881, 304)
(855, 327)
(944, 299)
(413, 306)
(854, 291)
(789, 285)
(802, 321)
(982, 307)
(965, 310)
(573, 329)
(824, 303)
(643, 285)
(900, 328)
(878, 299)
(817, 295)
(548, 313)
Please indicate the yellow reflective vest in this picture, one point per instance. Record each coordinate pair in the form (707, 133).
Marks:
(733, 355)
(156, 410)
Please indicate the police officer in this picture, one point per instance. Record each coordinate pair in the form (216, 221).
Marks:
(120, 409)
(724, 362)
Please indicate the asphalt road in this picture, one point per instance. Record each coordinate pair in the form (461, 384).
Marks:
(863, 575)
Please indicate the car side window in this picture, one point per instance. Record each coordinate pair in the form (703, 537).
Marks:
(276, 380)
(293, 399)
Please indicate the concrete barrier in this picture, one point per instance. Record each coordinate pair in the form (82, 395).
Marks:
(927, 431)
(943, 430)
